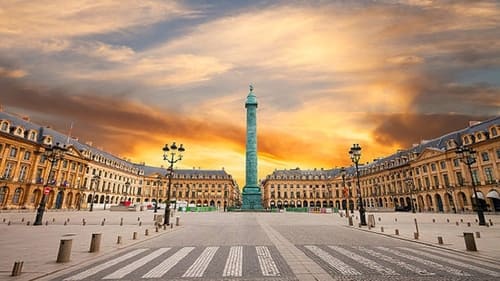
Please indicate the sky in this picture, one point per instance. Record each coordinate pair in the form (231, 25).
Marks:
(130, 76)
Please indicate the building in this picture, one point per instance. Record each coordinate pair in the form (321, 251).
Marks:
(428, 177)
(88, 176)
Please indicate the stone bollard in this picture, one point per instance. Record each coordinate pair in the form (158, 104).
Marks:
(470, 243)
(462, 220)
(18, 267)
(64, 250)
(468, 224)
(22, 220)
(65, 223)
(28, 223)
(102, 223)
(67, 219)
(3, 219)
(396, 231)
(134, 236)
(350, 220)
(177, 219)
(95, 242)
(119, 240)
(84, 222)
(433, 220)
(379, 219)
(440, 240)
(8, 223)
(146, 232)
(415, 235)
(156, 228)
(448, 220)
(53, 219)
(456, 223)
(171, 225)
(138, 218)
(381, 229)
(121, 221)
(140, 223)
(478, 234)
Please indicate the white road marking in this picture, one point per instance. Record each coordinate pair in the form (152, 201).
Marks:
(101, 267)
(364, 261)
(161, 269)
(120, 273)
(455, 262)
(464, 258)
(234, 262)
(201, 264)
(398, 262)
(266, 262)
(332, 261)
(426, 262)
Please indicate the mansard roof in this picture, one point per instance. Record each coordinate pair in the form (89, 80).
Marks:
(150, 171)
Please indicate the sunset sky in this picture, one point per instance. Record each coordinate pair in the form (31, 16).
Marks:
(133, 75)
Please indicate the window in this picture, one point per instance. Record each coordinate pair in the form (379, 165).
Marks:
(22, 172)
(498, 153)
(8, 170)
(433, 167)
(446, 180)
(13, 152)
(475, 177)
(460, 178)
(17, 195)
(488, 172)
(3, 194)
(425, 168)
(494, 132)
(436, 181)
(5, 126)
(443, 165)
(456, 162)
(32, 136)
(427, 182)
(485, 156)
(27, 155)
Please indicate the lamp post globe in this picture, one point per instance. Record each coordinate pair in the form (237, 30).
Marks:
(355, 154)
(172, 154)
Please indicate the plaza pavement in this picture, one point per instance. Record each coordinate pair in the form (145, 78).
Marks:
(37, 246)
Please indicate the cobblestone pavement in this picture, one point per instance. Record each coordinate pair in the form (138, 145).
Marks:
(246, 246)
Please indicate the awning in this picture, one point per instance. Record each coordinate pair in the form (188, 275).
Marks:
(493, 194)
(479, 194)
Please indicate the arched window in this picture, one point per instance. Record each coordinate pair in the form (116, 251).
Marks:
(494, 132)
(3, 194)
(17, 195)
(5, 126)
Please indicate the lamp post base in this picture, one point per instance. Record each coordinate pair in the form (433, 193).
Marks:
(166, 219)
(482, 220)
(362, 216)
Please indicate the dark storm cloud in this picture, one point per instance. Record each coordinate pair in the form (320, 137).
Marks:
(407, 129)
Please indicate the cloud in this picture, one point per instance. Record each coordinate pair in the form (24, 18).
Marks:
(406, 129)
(12, 73)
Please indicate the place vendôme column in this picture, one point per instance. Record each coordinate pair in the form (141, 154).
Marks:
(251, 192)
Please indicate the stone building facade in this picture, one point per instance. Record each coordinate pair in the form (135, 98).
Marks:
(87, 175)
(428, 177)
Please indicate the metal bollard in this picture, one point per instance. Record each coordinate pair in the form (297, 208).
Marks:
(456, 223)
(440, 240)
(18, 267)
(381, 229)
(396, 219)
(379, 218)
(157, 229)
(121, 221)
(134, 236)
(491, 223)
(462, 220)
(433, 220)
(138, 218)
(468, 224)
(102, 223)
(119, 240)
(448, 220)
(164, 227)
(171, 225)
(396, 231)
(28, 223)
(22, 220)
(146, 232)
(350, 221)
(46, 222)
(470, 243)
(64, 250)
(65, 223)
(140, 223)
(415, 235)
(478, 234)
(95, 242)
(84, 222)
(177, 219)
(53, 219)
(8, 223)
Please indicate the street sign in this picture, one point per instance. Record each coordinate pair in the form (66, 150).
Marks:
(46, 190)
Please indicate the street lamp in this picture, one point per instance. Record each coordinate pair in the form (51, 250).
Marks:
(158, 183)
(95, 179)
(127, 186)
(52, 154)
(355, 154)
(410, 186)
(345, 191)
(171, 159)
(467, 155)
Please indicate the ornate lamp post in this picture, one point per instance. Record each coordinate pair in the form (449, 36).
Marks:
(95, 179)
(52, 154)
(467, 155)
(169, 155)
(355, 154)
(345, 191)
(158, 184)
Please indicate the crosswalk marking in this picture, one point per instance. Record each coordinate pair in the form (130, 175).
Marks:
(201, 264)
(166, 265)
(464, 258)
(101, 267)
(364, 261)
(454, 262)
(426, 262)
(120, 273)
(332, 261)
(234, 263)
(266, 262)
(400, 263)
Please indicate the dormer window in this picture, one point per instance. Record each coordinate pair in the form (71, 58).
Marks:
(494, 132)
(19, 132)
(47, 140)
(5, 126)
(32, 135)
(467, 140)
